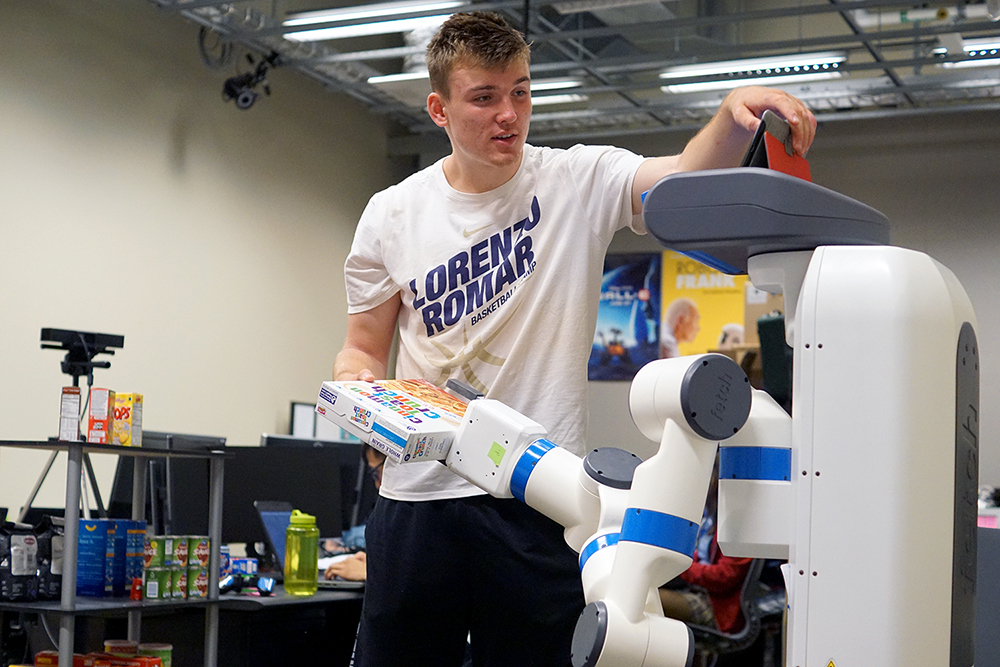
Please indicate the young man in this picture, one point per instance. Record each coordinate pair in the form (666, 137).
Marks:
(490, 262)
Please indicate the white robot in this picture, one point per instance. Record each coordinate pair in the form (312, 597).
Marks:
(633, 522)
(868, 490)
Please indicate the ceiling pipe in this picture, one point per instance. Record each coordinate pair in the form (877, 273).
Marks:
(875, 19)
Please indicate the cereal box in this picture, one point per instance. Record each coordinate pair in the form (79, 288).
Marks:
(128, 420)
(95, 556)
(69, 414)
(101, 417)
(408, 420)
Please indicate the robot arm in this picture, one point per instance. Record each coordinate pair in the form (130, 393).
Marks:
(634, 524)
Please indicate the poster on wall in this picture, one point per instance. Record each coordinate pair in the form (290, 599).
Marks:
(702, 308)
(628, 319)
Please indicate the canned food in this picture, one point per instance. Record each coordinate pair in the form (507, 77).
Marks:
(178, 582)
(197, 581)
(155, 549)
(179, 554)
(157, 583)
(162, 651)
(199, 550)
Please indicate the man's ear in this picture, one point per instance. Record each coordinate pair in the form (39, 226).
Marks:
(436, 109)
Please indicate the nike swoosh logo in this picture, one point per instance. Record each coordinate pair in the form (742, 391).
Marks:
(472, 232)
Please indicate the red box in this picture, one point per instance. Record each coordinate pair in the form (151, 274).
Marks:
(108, 660)
(52, 658)
(101, 416)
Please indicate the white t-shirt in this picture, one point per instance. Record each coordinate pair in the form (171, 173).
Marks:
(499, 289)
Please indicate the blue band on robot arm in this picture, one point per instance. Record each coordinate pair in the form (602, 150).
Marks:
(526, 464)
(755, 463)
(659, 530)
(595, 545)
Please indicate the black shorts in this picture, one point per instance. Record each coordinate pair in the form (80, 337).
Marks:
(494, 571)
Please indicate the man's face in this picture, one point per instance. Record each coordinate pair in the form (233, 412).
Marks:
(486, 114)
(687, 327)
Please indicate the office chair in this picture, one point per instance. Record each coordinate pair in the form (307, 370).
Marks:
(713, 643)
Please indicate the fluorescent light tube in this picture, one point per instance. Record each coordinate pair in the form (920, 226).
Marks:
(791, 64)
(366, 29)
(554, 84)
(405, 76)
(795, 68)
(977, 48)
(536, 86)
(369, 11)
(727, 84)
(419, 86)
(982, 62)
(565, 98)
(976, 44)
(575, 6)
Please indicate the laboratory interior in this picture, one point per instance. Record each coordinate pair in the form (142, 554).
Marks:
(793, 376)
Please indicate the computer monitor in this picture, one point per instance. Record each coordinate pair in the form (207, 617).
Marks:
(358, 492)
(176, 489)
(307, 477)
(320, 478)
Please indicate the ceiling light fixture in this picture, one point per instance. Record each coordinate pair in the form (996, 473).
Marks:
(421, 75)
(564, 98)
(983, 52)
(395, 13)
(394, 78)
(768, 71)
(555, 84)
(368, 11)
(366, 29)
(575, 6)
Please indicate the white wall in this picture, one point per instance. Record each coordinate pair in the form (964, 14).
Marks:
(134, 201)
(937, 178)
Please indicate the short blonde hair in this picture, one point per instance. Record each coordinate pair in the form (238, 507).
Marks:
(475, 39)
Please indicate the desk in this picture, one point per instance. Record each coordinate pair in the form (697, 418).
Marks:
(286, 630)
(254, 631)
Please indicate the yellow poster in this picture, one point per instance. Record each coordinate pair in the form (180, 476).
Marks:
(702, 308)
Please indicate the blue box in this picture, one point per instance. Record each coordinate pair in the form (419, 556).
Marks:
(134, 542)
(94, 542)
(118, 556)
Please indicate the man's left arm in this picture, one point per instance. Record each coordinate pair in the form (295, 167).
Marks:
(725, 139)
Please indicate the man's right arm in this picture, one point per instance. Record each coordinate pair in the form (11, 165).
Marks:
(365, 355)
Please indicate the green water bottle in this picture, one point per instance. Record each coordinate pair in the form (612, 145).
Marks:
(301, 554)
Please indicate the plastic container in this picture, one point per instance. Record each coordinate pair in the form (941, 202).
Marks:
(162, 651)
(301, 555)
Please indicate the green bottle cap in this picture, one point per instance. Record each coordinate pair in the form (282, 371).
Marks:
(302, 519)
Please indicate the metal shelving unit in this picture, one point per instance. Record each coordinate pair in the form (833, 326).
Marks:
(70, 606)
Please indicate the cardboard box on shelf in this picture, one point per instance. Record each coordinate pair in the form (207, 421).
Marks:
(101, 417)
(128, 420)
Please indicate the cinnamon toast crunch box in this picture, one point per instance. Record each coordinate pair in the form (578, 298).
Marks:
(407, 420)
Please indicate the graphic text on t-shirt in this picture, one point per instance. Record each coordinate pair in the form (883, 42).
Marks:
(471, 279)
